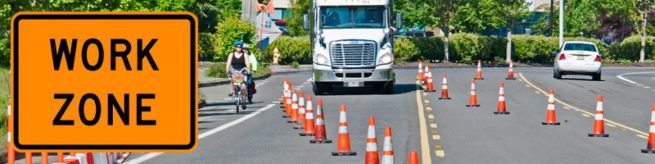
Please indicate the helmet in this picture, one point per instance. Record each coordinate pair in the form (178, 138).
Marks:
(238, 43)
(246, 45)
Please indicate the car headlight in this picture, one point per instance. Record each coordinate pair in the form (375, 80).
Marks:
(387, 58)
(322, 60)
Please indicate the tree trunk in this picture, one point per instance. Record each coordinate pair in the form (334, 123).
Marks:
(642, 52)
(445, 45)
(508, 57)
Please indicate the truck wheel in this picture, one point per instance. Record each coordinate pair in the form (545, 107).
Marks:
(321, 89)
(387, 88)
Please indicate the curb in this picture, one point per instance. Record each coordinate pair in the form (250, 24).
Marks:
(215, 83)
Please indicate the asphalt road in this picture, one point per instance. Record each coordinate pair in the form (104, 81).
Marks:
(441, 131)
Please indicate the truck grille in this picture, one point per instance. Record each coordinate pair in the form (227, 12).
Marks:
(353, 53)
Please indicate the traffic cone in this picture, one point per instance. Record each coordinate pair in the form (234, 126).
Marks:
(284, 91)
(372, 156)
(430, 87)
(478, 72)
(321, 136)
(294, 108)
(444, 88)
(343, 141)
(309, 119)
(650, 146)
(550, 113)
(301, 111)
(413, 158)
(28, 157)
(502, 109)
(60, 157)
(287, 108)
(387, 148)
(419, 76)
(510, 72)
(599, 123)
(426, 70)
(473, 99)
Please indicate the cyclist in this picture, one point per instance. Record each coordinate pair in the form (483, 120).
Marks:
(236, 63)
(253, 68)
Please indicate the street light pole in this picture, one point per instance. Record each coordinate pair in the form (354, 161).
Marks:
(561, 23)
(550, 20)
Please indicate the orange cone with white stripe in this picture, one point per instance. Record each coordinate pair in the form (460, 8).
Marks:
(309, 119)
(343, 139)
(320, 136)
(478, 72)
(599, 123)
(372, 156)
(284, 91)
(551, 118)
(502, 109)
(473, 98)
(444, 88)
(413, 158)
(650, 146)
(426, 70)
(430, 87)
(294, 108)
(419, 76)
(510, 72)
(301, 111)
(387, 147)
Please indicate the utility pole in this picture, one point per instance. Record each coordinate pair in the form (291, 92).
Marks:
(561, 23)
(550, 19)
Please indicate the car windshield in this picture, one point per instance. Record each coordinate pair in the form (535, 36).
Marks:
(579, 47)
(352, 17)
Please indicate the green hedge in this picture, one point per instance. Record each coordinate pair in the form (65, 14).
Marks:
(629, 49)
(228, 31)
(291, 49)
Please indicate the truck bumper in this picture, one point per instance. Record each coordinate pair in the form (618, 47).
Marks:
(377, 74)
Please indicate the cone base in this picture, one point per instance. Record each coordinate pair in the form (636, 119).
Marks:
(306, 134)
(550, 123)
(501, 112)
(298, 127)
(320, 141)
(444, 98)
(292, 121)
(510, 78)
(476, 105)
(478, 78)
(430, 91)
(344, 153)
(285, 116)
(598, 135)
(651, 151)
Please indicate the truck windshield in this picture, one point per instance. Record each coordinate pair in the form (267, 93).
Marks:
(352, 17)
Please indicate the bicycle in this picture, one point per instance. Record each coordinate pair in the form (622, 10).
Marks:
(239, 96)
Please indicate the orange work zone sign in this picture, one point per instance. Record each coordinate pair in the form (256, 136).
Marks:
(104, 81)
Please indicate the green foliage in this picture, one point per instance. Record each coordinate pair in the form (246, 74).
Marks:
(535, 49)
(217, 70)
(415, 12)
(294, 64)
(295, 22)
(429, 48)
(291, 49)
(206, 43)
(629, 49)
(405, 50)
(229, 31)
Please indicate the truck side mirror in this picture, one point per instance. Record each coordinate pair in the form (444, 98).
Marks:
(305, 21)
(399, 20)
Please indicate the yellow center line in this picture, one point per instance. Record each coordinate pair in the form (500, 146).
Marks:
(425, 144)
(639, 132)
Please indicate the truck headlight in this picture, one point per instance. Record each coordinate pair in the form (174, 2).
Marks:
(321, 60)
(387, 58)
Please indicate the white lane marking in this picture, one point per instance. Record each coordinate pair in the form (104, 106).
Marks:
(633, 73)
(207, 133)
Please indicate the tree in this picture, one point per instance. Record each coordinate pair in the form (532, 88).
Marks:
(511, 10)
(644, 7)
(475, 16)
(295, 23)
(444, 10)
(415, 12)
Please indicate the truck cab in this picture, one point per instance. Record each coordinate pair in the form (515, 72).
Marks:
(352, 45)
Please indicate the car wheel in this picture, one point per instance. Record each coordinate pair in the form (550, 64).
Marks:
(557, 74)
(596, 77)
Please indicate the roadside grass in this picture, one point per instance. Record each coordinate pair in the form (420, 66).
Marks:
(217, 70)
(4, 99)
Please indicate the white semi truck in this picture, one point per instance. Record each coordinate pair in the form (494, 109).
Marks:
(351, 44)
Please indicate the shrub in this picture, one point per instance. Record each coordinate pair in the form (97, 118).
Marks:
(629, 49)
(291, 49)
(294, 64)
(217, 70)
(405, 50)
(4, 52)
(228, 31)
(429, 48)
(206, 42)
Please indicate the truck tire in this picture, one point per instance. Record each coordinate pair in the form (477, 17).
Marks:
(387, 88)
(321, 88)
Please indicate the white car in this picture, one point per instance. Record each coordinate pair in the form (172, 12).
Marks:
(580, 58)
